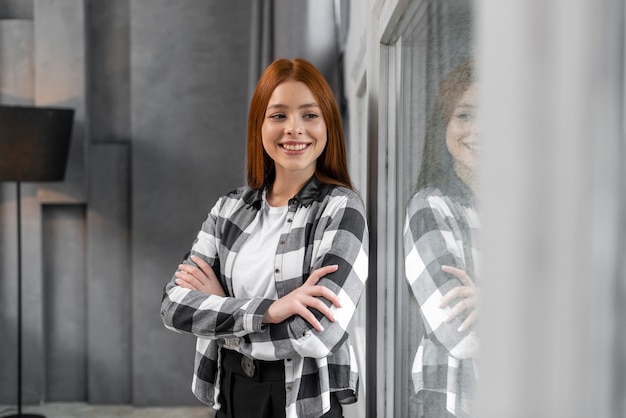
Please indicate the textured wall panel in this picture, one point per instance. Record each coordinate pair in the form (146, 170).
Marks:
(64, 255)
(189, 108)
(8, 294)
(32, 295)
(16, 9)
(108, 272)
(60, 81)
(16, 62)
(108, 92)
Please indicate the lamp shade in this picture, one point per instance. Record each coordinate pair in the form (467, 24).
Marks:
(34, 142)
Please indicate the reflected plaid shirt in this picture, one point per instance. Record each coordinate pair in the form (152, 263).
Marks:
(325, 225)
(441, 230)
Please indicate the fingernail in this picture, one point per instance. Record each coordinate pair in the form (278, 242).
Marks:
(321, 328)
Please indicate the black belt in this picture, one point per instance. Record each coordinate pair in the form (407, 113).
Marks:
(257, 370)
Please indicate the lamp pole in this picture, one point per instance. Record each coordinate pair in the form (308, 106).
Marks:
(19, 297)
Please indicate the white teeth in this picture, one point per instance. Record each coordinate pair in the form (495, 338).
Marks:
(296, 147)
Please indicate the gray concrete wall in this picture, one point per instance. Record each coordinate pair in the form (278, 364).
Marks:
(189, 110)
(160, 90)
(160, 93)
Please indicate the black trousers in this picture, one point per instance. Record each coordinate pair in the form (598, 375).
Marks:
(256, 389)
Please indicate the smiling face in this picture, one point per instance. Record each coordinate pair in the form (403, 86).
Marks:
(293, 131)
(462, 135)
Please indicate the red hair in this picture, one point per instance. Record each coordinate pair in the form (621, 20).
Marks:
(332, 165)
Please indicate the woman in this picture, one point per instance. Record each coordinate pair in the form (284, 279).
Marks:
(276, 271)
(440, 250)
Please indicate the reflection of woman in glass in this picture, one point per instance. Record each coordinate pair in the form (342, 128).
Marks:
(440, 250)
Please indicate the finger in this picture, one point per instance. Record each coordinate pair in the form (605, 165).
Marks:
(311, 319)
(191, 279)
(321, 307)
(469, 322)
(180, 281)
(324, 292)
(317, 274)
(459, 308)
(203, 265)
(184, 277)
(459, 274)
(198, 274)
(189, 269)
(331, 296)
(457, 292)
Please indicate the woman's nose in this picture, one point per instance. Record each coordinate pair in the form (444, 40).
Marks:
(476, 128)
(293, 127)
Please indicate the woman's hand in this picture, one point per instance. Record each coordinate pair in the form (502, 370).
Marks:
(299, 300)
(200, 278)
(468, 293)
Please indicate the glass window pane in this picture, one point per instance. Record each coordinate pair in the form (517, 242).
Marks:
(436, 219)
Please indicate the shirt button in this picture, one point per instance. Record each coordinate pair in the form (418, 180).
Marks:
(289, 220)
(277, 271)
(282, 241)
(288, 388)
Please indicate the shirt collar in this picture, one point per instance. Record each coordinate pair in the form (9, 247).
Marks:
(311, 190)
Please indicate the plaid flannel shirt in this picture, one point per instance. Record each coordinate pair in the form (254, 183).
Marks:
(441, 229)
(325, 225)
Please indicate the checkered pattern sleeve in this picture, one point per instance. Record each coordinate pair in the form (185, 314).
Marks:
(433, 237)
(340, 237)
(209, 316)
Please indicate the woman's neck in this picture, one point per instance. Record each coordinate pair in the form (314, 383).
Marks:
(283, 189)
(466, 175)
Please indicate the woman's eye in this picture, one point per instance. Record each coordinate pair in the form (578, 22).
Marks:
(465, 116)
(277, 116)
(310, 116)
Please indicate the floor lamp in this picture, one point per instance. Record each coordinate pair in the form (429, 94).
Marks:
(34, 144)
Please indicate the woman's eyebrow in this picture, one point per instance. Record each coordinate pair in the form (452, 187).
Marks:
(282, 106)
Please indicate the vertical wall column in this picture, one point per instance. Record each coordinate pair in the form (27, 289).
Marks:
(109, 309)
(56, 284)
(552, 110)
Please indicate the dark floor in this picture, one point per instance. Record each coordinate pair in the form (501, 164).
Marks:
(81, 410)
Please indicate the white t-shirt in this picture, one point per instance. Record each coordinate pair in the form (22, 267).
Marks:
(253, 271)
